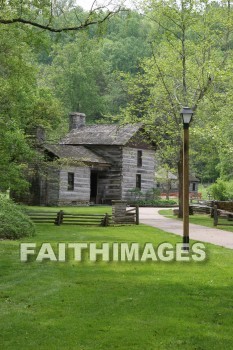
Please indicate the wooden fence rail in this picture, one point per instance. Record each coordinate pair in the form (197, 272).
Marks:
(63, 218)
(219, 213)
(199, 209)
(131, 216)
(135, 213)
(41, 217)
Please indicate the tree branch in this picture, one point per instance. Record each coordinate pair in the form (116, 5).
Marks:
(203, 92)
(169, 95)
(81, 26)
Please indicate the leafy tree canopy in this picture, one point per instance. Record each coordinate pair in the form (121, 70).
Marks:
(54, 16)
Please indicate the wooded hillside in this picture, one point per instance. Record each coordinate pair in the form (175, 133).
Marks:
(118, 65)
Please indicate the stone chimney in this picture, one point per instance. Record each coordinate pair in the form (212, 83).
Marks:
(37, 135)
(40, 134)
(76, 120)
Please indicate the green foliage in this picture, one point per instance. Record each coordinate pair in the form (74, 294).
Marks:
(229, 185)
(86, 68)
(203, 143)
(54, 16)
(221, 190)
(135, 193)
(14, 224)
(26, 102)
(154, 202)
(203, 189)
(191, 66)
(78, 75)
(15, 154)
(143, 66)
(126, 42)
(154, 193)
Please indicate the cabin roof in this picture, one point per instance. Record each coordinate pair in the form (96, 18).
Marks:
(79, 153)
(164, 174)
(102, 134)
(193, 178)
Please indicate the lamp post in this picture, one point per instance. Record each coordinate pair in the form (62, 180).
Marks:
(186, 114)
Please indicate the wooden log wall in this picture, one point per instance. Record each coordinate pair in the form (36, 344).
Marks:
(130, 169)
(49, 188)
(81, 192)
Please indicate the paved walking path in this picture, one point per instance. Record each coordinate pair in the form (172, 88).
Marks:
(151, 217)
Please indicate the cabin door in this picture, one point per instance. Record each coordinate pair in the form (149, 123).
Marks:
(94, 186)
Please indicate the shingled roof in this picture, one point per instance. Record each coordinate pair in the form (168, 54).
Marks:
(102, 134)
(78, 153)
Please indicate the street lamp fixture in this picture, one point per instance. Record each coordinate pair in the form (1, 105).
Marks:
(186, 114)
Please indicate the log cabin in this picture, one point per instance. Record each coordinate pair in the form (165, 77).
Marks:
(97, 164)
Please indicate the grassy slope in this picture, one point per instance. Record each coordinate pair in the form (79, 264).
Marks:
(86, 306)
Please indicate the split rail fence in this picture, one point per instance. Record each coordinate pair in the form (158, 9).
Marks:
(63, 218)
(224, 214)
(215, 212)
(133, 214)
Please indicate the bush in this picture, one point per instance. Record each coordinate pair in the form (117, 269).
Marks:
(221, 190)
(14, 224)
(154, 203)
(135, 193)
(153, 194)
(230, 189)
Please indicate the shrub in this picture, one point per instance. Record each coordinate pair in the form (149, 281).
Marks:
(135, 193)
(153, 194)
(230, 189)
(14, 223)
(221, 190)
(154, 202)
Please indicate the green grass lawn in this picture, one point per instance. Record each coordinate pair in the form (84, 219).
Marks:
(95, 209)
(104, 306)
(199, 219)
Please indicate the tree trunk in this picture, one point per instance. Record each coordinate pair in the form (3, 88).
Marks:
(167, 190)
(180, 179)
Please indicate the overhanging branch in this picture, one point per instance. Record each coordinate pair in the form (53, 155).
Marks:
(50, 28)
(203, 92)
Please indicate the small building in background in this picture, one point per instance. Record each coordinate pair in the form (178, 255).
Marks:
(168, 184)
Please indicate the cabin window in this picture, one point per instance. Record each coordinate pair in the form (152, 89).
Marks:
(194, 187)
(70, 181)
(139, 158)
(138, 181)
